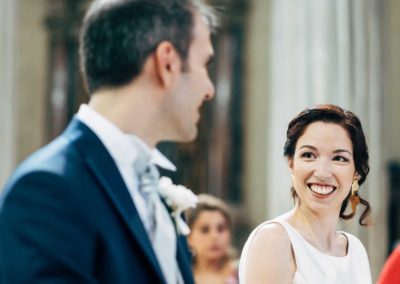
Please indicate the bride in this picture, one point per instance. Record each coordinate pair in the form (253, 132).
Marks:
(328, 158)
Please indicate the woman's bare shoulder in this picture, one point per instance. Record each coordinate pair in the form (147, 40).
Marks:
(270, 257)
(270, 235)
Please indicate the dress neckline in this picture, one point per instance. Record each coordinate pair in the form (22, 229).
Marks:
(314, 248)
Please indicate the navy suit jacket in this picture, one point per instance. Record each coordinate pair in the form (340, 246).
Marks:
(66, 216)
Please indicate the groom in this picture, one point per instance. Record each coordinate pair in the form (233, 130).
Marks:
(76, 210)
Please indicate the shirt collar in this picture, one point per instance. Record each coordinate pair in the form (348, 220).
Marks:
(121, 146)
(156, 157)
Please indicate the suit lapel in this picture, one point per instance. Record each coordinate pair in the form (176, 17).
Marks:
(103, 167)
(184, 261)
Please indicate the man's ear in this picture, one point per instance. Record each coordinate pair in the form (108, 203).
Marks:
(167, 63)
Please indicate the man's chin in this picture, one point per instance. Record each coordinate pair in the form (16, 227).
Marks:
(190, 139)
(182, 135)
(189, 136)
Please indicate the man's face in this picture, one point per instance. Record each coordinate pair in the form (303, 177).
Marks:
(193, 86)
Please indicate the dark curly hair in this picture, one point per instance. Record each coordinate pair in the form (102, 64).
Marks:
(350, 122)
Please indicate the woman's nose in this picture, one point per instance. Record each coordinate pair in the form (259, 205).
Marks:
(323, 170)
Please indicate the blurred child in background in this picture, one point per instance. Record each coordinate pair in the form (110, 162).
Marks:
(210, 241)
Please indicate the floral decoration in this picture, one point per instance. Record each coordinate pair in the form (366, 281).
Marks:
(178, 198)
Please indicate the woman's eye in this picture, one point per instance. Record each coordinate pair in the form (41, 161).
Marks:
(340, 159)
(307, 155)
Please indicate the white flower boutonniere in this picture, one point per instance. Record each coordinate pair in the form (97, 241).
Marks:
(179, 198)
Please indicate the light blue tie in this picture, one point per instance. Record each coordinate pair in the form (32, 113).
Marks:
(158, 224)
(148, 177)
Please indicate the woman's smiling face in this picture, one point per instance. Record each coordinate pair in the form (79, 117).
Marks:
(323, 167)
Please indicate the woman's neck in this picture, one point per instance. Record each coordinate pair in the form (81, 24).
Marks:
(319, 229)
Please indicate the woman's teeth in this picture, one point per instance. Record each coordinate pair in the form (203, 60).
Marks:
(322, 189)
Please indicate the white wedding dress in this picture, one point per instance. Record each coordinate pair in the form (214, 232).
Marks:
(316, 267)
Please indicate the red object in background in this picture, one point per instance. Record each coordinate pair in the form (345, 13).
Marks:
(390, 273)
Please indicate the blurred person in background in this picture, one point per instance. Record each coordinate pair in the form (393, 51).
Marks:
(210, 242)
(327, 156)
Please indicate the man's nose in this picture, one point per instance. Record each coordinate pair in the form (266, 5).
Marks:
(210, 91)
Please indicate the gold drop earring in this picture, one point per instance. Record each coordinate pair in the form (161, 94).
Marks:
(355, 199)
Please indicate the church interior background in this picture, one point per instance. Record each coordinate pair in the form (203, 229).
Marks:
(273, 59)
